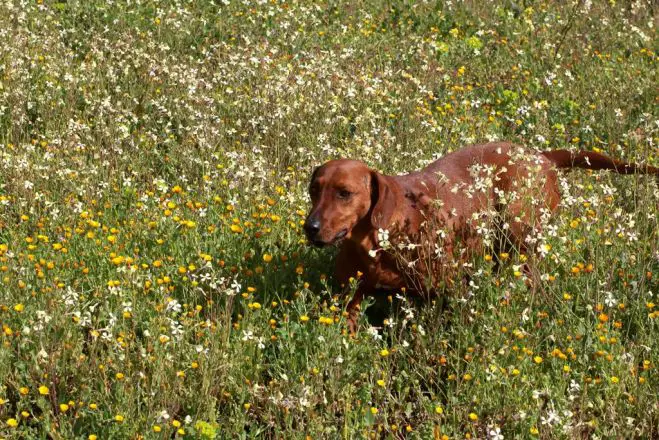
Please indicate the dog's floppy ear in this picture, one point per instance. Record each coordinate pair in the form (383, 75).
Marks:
(383, 202)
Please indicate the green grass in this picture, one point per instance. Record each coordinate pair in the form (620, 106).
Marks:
(154, 160)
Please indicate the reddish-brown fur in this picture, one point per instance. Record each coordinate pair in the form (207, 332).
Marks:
(351, 202)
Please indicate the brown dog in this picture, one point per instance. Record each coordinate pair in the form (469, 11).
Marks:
(444, 204)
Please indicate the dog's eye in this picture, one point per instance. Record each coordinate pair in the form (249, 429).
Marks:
(343, 194)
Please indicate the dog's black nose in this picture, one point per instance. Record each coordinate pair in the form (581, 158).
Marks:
(311, 227)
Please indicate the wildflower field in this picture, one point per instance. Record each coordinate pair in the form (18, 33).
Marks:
(154, 162)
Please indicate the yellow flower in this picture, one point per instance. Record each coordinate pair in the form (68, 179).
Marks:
(304, 318)
(19, 307)
(156, 428)
(63, 407)
(439, 410)
(23, 391)
(12, 423)
(537, 359)
(534, 430)
(381, 382)
(473, 417)
(119, 418)
(384, 352)
(374, 410)
(614, 379)
(267, 258)
(92, 437)
(43, 390)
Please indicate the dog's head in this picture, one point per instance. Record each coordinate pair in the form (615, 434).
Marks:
(345, 194)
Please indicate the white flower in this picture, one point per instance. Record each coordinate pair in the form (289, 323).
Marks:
(383, 238)
(173, 306)
(235, 285)
(610, 301)
(495, 434)
(373, 331)
(551, 419)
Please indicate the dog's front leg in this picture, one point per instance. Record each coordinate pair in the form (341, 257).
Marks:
(353, 309)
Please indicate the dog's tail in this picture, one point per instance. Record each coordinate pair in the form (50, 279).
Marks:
(595, 161)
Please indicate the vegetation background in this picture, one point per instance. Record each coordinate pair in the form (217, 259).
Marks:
(154, 159)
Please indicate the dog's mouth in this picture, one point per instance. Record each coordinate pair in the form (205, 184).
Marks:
(338, 238)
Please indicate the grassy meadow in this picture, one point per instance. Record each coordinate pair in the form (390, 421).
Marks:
(154, 161)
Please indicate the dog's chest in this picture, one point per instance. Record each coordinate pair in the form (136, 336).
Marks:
(383, 272)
